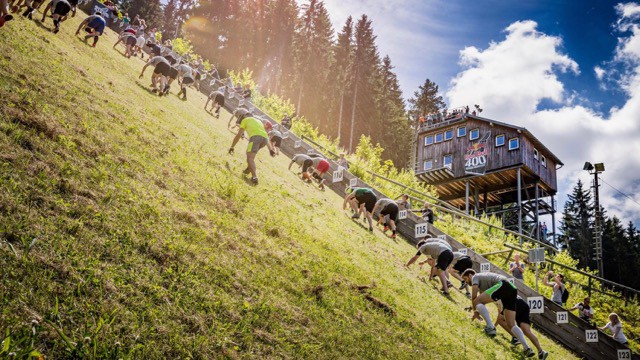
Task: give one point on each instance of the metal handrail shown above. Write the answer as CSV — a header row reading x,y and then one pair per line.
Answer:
x,y
448,207
445,206
602,280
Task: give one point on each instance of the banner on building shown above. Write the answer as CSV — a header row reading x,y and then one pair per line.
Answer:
x,y
477,155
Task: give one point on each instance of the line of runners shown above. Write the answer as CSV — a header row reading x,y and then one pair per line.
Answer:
x,y
486,287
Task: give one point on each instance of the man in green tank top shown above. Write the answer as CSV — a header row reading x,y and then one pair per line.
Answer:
x,y
257,140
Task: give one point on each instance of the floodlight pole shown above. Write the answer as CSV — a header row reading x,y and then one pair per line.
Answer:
x,y
598,224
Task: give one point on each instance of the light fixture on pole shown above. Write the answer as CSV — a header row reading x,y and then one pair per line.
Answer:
x,y
596,169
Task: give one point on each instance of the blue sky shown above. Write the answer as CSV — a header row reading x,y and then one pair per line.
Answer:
x,y
449,26
569,71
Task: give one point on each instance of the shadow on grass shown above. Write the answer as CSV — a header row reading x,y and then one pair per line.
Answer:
x,y
42,25
146,89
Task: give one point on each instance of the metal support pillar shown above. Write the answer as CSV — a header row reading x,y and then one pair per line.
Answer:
x,y
476,201
486,202
466,198
553,220
520,203
537,227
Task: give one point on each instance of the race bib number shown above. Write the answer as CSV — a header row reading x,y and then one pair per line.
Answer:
x,y
421,230
624,354
353,182
536,304
562,317
402,214
591,336
337,176
463,251
310,151
297,144
485,267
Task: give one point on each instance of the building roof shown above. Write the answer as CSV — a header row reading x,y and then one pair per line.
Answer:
x,y
524,131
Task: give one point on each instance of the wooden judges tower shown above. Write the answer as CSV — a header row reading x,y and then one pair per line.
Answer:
x,y
490,166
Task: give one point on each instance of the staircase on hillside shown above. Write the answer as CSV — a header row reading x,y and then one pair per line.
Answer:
x,y
572,334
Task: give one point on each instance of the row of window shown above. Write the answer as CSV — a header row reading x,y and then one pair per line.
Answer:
x,y
474,134
543,160
514,144
448,135
447,160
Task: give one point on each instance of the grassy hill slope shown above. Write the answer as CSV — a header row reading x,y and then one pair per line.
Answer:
x,y
128,232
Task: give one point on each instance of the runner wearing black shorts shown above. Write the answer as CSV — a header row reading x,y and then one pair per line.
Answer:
x,y
440,257
361,200
217,99
524,322
388,208
489,287
460,263
275,137
161,70
60,10
305,162
156,50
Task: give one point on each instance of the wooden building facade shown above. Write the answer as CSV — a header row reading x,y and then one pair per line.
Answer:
x,y
494,167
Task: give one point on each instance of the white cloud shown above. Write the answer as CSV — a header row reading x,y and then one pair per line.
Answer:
x,y
599,72
511,77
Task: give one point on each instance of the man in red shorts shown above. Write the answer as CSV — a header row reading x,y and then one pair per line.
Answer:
x,y
319,168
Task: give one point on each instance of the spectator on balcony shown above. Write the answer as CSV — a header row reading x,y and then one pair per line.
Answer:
x,y
427,213
585,311
615,325
516,268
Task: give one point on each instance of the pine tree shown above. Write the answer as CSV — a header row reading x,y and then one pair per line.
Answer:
x,y
216,43
366,81
577,226
426,100
175,13
149,10
395,134
278,67
341,73
313,57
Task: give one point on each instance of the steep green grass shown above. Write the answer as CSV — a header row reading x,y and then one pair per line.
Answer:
x,y
128,232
